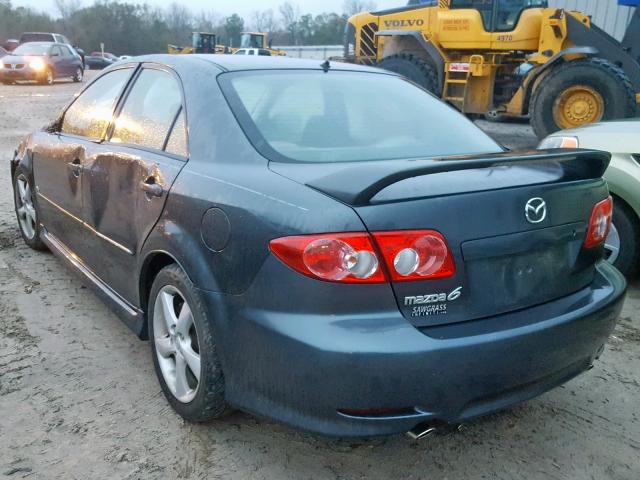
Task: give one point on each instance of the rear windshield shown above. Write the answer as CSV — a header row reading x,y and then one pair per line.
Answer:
x,y
36,37
32,49
312,116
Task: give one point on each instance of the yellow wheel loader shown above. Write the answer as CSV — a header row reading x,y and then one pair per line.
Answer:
x,y
507,58
201,43
259,40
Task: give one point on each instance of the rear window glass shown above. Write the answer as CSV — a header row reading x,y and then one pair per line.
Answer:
x,y
312,116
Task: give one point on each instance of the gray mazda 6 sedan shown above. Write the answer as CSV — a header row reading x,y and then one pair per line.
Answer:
x,y
327,245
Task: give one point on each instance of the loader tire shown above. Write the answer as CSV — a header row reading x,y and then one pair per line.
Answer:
x,y
415,69
581,92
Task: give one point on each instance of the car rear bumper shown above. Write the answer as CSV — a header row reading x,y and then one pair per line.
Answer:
x,y
306,370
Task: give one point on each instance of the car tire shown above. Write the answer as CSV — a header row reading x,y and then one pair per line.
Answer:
x,y
26,210
605,86
177,338
415,69
79,76
626,229
47,78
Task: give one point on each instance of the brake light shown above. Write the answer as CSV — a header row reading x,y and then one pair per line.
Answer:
x,y
334,257
415,255
353,258
599,224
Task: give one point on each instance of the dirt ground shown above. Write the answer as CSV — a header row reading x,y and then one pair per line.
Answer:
x,y
79,399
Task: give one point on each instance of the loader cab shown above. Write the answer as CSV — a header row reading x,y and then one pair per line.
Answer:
x,y
204,42
499,15
253,40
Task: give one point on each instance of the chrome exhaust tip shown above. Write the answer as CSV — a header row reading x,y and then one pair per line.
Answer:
x,y
421,431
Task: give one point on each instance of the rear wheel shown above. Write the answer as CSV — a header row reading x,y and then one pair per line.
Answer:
x,y
184,349
581,92
415,69
79,75
623,243
26,211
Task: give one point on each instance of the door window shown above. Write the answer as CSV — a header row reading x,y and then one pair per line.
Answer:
x,y
66,53
92,111
56,52
149,110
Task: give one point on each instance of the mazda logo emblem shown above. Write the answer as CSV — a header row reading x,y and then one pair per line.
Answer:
x,y
536,210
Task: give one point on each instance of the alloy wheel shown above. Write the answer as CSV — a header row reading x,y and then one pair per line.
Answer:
x,y
79,75
176,343
612,245
25,208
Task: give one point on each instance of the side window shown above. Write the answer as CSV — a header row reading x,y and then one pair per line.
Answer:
x,y
66,53
92,111
149,110
177,144
264,53
55,52
251,52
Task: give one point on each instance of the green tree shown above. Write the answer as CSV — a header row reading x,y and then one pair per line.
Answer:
x,y
234,26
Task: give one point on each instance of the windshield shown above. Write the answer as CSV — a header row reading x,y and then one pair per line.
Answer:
x,y
250,41
312,116
33,49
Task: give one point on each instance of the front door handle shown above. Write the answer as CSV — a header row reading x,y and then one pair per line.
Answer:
x,y
75,167
151,188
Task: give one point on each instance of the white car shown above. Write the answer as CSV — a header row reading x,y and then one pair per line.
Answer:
x,y
253,51
622,139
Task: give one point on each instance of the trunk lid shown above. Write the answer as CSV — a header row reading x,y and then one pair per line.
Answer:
x,y
504,260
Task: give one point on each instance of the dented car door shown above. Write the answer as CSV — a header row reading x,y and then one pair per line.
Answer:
x,y
127,182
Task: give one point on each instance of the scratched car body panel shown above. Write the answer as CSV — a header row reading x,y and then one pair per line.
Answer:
x,y
365,270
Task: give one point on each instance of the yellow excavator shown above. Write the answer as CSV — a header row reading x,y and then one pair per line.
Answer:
x,y
506,58
201,42
259,40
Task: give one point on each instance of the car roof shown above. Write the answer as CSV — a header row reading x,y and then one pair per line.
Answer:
x,y
235,63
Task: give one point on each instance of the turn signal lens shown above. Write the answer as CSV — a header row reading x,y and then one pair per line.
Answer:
x,y
340,257
600,223
559,142
416,255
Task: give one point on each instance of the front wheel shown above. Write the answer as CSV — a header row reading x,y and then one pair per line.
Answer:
x,y
415,69
26,210
47,78
184,348
580,92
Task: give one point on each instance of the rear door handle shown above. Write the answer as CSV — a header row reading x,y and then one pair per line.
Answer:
x,y
151,188
75,167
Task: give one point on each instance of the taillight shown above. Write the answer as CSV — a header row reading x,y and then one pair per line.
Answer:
x,y
415,255
600,223
334,257
352,258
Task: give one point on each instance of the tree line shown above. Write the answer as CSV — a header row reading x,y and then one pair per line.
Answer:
x,y
138,28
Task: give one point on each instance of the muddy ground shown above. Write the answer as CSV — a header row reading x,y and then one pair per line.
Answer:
x,y
79,399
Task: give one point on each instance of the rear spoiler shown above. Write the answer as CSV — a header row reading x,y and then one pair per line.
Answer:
x,y
356,184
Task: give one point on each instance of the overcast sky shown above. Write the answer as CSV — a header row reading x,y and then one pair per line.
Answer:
x,y
226,7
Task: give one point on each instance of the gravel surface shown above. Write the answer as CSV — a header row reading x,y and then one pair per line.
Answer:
x,y
79,399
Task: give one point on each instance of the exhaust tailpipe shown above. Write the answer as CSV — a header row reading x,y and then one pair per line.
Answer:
x,y
421,431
